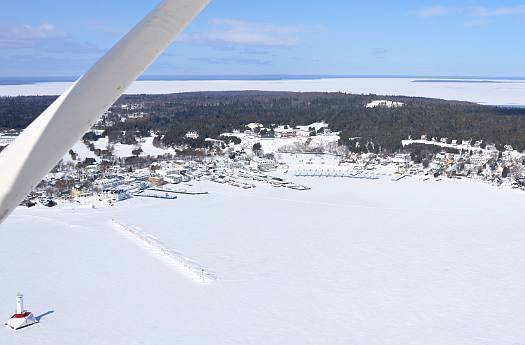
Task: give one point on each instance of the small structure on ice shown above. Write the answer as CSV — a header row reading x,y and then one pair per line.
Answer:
x,y
22,318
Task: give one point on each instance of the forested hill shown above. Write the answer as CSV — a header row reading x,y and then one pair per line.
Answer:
x,y
18,112
214,113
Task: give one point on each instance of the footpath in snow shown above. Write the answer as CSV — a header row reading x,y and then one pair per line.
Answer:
x,y
191,269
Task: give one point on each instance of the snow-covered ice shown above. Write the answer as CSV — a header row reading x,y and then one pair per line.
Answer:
x,y
501,92
348,262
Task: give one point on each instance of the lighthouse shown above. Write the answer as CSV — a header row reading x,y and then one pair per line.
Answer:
x,y
22,318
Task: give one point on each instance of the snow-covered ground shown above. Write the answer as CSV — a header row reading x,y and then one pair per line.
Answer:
x,y
502,92
272,145
82,152
119,150
149,150
302,160
348,262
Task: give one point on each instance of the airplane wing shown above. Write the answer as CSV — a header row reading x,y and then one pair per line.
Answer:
x,y
40,146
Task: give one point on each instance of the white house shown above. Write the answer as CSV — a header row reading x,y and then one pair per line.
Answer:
x,y
402,159
174,178
235,164
6,139
265,164
479,159
384,104
192,135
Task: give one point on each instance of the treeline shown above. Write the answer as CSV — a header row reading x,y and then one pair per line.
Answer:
x,y
218,112
19,112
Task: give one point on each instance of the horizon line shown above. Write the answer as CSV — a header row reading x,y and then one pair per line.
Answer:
x,y
5,80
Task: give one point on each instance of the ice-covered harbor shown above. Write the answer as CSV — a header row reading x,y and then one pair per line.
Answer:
x,y
492,92
351,261
327,251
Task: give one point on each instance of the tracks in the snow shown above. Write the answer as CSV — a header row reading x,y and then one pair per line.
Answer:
x,y
191,269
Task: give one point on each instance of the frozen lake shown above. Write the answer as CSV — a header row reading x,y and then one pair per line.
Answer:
x,y
494,92
348,262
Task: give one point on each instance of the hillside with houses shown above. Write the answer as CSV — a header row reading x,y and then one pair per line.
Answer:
x,y
101,170
381,122
161,145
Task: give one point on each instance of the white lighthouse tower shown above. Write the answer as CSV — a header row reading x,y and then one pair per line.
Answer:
x,y
21,318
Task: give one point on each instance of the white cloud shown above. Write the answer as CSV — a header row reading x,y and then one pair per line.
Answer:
x,y
478,22
379,53
479,11
433,11
237,32
107,29
27,35
40,40
233,61
498,11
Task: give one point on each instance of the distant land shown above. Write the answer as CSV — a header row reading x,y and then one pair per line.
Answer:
x,y
427,78
485,81
489,91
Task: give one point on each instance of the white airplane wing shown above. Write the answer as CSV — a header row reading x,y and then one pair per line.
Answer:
x,y
40,147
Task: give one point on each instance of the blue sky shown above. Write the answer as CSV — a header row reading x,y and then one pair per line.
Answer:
x,y
234,37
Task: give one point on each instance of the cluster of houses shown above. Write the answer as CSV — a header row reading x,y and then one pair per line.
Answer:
x,y
121,113
474,160
119,182
257,130
119,179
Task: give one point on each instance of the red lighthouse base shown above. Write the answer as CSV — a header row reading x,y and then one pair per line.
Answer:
x,y
19,321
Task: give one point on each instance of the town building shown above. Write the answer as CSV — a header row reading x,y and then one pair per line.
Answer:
x,y
192,135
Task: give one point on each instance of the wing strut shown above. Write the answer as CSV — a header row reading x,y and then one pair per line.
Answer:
x,y
40,147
